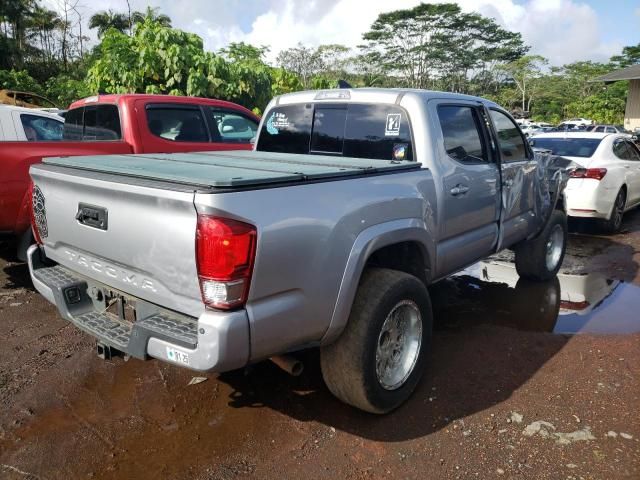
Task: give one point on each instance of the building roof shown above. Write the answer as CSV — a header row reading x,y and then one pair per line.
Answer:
x,y
629,73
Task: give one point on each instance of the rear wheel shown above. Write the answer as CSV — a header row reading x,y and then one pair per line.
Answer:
x,y
615,220
541,257
378,360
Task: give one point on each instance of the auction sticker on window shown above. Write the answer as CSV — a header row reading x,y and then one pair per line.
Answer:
x,y
177,356
393,125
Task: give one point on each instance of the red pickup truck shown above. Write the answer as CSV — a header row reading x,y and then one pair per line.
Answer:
x,y
128,123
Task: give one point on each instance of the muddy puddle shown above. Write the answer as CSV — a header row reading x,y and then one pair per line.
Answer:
x,y
492,293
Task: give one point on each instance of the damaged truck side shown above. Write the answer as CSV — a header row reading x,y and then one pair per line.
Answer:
x,y
327,235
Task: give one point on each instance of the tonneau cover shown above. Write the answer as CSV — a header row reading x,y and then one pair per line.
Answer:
x,y
230,169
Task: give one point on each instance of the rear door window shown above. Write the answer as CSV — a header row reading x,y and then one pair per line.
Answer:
x,y
462,135
43,129
620,150
352,130
228,126
178,123
510,141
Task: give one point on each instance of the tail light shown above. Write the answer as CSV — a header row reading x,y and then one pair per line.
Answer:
x,y
225,251
593,173
32,216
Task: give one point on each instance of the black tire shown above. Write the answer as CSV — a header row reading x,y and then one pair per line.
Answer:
x,y
617,211
349,364
531,255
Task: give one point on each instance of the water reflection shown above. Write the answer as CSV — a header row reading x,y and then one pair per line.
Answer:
x,y
492,292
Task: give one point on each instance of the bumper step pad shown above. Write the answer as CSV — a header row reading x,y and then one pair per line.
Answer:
x,y
131,338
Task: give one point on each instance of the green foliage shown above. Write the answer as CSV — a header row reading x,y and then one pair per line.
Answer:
x,y
64,90
158,59
155,59
19,80
283,81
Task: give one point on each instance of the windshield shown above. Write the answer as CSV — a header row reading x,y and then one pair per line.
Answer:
x,y
567,147
373,131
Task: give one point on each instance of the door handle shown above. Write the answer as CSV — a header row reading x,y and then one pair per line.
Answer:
x,y
459,190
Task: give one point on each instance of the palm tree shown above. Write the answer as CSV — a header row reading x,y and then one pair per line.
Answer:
x,y
106,19
152,14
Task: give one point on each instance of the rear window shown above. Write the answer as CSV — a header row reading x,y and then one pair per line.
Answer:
x,y
92,123
44,129
379,132
567,147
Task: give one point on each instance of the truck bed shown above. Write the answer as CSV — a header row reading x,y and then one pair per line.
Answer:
x,y
229,170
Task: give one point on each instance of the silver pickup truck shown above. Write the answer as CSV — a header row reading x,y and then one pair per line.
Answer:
x,y
327,235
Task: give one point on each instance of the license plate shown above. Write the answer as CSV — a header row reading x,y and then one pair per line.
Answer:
x,y
177,356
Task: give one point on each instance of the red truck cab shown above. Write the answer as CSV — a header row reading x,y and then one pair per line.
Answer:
x,y
120,124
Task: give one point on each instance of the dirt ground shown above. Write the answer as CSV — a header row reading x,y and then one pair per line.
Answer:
x,y
504,396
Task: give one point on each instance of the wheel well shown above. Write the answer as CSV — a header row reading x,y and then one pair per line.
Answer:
x,y
408,257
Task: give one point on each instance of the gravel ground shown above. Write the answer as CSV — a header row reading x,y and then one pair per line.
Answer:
x,y
500,399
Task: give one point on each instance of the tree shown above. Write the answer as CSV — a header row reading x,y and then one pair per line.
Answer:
x,y
107,19
437,44
303,61
630,56
524,72
152,14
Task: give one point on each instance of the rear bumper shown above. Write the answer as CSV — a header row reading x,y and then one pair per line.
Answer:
x,y
215,341
588,198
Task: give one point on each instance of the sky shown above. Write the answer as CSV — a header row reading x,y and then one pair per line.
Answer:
x,y
561,30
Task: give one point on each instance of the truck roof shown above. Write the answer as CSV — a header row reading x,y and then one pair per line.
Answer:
x,y
116,98
374,95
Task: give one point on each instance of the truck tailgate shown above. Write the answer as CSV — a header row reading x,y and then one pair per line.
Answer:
x,y
139,239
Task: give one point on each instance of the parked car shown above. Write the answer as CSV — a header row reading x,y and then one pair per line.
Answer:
x,y
609,129
327,235
110,124
579,122
530,129
606,180
26,99
20,124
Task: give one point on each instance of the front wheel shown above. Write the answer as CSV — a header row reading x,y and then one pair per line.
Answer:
x,y
541,257
378,360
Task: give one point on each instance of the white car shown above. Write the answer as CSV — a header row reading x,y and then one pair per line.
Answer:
x,y
28,124
530,129
605,182
578,121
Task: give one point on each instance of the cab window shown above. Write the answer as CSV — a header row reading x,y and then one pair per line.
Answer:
x,y
228,126
177,123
